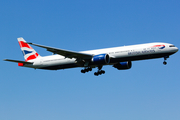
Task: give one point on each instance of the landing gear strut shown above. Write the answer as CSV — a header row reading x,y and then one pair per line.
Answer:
x,y
165,58
86,70
99,72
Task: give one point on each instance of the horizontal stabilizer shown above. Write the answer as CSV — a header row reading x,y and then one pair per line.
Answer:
x,y
18,61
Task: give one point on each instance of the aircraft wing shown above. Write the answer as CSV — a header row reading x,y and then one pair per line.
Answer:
x,y
18,61
66,53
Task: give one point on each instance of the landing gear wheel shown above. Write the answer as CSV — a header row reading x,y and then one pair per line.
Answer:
x,y
102,71
96,74
99,72
86,70
165,63
82,71
89,69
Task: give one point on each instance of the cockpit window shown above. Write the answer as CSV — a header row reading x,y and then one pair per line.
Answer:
x,y
171,46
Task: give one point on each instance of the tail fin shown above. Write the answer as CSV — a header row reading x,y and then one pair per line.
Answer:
x,y
28,52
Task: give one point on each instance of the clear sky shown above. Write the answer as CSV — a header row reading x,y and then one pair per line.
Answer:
x,y
148,91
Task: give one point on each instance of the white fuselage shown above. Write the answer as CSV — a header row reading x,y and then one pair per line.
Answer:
x,y
116,54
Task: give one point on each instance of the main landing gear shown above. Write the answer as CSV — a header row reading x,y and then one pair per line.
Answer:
x,y
99,72
86,70
165,58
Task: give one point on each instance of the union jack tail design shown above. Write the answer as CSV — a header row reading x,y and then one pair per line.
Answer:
x,y
28,52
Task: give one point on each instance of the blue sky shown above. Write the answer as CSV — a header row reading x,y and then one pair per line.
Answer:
x,y
148,91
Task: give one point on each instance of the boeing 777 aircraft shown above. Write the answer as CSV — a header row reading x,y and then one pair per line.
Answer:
x,y
118,57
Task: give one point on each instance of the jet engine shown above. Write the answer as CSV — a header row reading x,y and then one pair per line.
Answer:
x,y
101,59
123,65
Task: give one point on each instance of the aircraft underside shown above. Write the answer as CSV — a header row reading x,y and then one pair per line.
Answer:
x,y
112,61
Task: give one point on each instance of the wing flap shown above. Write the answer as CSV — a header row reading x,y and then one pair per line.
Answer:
x,y
66,53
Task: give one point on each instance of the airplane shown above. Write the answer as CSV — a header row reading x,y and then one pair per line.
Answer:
x,y
119,57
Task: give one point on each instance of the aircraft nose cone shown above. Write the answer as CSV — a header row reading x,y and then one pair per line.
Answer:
x,y
176,49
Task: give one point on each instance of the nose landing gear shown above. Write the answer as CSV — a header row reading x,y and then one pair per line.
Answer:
x,y
165,63
165,58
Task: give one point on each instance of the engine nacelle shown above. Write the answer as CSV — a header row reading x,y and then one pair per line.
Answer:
x,y
123,65
101,59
